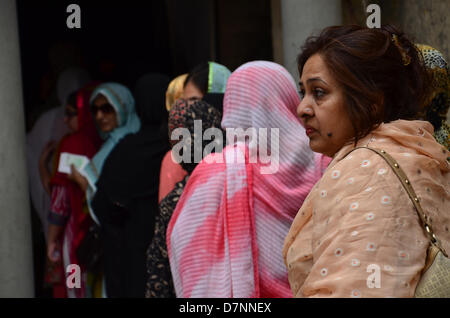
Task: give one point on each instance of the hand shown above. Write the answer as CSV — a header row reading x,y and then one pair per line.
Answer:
x,y
78,178
45,179
53,253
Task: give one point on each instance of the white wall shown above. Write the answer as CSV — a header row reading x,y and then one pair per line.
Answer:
x,y
16,261
299,20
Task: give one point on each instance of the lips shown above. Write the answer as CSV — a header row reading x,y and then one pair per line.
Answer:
x,y
310,130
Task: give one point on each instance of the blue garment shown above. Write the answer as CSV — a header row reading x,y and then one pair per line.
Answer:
x,y
122,100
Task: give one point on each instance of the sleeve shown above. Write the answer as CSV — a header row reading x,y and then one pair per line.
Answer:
x,y
170,174
369,243
60,206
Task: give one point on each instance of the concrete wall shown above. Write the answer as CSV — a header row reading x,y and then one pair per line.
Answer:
x,y
299,20
425,21
16,266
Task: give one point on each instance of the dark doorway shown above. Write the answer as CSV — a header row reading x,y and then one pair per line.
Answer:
x,y
121,41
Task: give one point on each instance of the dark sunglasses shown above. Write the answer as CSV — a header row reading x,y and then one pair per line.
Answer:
x,y
105,109
70,113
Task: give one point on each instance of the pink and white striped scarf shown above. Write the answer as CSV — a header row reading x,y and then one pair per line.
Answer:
x,y
226,235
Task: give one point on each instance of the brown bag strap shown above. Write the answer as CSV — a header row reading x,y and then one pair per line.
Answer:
x,y
412,194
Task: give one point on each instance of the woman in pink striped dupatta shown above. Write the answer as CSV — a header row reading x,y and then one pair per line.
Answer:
x,y
226,235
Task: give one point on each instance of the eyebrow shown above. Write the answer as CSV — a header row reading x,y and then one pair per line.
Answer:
x,y
313,79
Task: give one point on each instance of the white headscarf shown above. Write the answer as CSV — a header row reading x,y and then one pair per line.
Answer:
x,y
50,126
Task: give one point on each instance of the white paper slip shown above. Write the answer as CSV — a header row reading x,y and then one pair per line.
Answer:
x,y
67,159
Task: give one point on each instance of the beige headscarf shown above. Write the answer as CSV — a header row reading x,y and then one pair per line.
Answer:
x,y
175,90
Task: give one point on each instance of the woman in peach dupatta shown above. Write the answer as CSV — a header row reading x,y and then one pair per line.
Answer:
x,y
226,234
357,233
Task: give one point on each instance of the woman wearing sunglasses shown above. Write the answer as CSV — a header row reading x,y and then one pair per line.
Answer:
x,y
113,110
121,181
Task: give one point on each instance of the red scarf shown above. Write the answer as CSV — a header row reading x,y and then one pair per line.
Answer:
x,y
86,142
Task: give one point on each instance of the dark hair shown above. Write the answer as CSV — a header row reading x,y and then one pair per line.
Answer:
x,y
199,75
72,99
369,66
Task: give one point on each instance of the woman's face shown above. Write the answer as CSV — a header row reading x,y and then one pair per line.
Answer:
x,y
104,114
322,108
71,118
191,93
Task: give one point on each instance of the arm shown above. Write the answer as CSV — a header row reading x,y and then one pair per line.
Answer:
x,y
58,216
43,165
54,234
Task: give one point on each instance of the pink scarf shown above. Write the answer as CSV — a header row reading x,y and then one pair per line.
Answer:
x,y
226,234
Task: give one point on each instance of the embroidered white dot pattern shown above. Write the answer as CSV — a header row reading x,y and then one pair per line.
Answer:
x,y
403,255
354,206
371,247
388,268
355,262
365,163
385,199
355,293
338,252
335,174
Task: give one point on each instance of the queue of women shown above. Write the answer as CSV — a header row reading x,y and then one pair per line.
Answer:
x,y
221,228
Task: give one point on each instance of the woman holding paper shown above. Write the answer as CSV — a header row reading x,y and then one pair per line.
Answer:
x,y
122,179
113,109
68,217
126,201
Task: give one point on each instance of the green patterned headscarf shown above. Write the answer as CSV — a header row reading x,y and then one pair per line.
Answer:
x,y
437,105
217,78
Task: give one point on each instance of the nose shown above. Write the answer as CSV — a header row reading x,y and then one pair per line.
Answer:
x,y
98,115
304,109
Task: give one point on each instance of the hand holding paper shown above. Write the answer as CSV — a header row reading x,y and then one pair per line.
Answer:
x,y
78,178
68,159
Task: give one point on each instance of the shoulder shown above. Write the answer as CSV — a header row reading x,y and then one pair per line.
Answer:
x,y
359,162
361,176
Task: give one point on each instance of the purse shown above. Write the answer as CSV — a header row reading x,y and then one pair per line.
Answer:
x,y
435,279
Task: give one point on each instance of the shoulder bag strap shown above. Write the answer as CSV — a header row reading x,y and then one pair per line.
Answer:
x,y
409,189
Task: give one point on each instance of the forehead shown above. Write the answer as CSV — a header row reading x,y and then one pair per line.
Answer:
x,y
100,100
191,88
315,67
